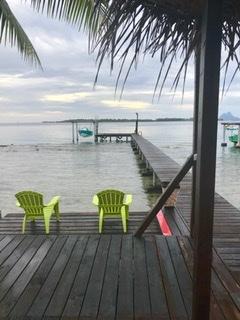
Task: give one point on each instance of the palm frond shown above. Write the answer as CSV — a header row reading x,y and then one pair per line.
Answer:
x,y
82,13
11,32
167,28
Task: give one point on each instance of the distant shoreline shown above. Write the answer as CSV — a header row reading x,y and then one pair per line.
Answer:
x,y
121,120
100,120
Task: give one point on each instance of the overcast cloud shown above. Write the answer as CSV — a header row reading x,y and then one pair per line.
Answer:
x,y
64,89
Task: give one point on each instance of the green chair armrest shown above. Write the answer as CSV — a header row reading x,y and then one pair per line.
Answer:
x,y
53,201
95,200
128,199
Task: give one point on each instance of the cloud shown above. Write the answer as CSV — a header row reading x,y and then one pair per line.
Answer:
x,y
65,87
185,106
126,104
55,112
66,98
3,99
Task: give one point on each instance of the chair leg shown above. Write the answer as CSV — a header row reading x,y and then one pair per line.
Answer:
x,y
24,224
56,211
124,222
100,224
127,212
47,224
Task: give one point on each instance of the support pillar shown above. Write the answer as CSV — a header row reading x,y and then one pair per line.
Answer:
x,y
224,143
136,126
195,134
210,56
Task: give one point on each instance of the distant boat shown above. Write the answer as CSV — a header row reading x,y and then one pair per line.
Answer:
x,y
234,138
85,132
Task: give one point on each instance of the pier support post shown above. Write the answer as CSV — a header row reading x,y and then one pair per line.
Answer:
x,y
136,127
210,57
73,135
95,130
147,164
154,179
224,143
77,136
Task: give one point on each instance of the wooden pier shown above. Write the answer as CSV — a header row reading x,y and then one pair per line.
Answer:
x,y
109,137
75,273
226,217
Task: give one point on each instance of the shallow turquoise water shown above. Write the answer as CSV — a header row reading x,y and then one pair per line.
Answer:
x,y
41,157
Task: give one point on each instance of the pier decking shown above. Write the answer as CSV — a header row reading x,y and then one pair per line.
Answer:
x,y
105,277
226,217
118,137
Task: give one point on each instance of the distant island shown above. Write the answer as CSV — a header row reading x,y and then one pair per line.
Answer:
x,y
228,116
120,120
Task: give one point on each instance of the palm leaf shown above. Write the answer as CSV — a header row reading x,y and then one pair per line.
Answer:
x,y
83,13
11,32
129,28
168,28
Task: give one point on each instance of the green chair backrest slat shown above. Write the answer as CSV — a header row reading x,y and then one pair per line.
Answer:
x,y
110,201
31,202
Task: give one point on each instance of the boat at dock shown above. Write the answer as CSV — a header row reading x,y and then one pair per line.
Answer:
x,y
231,129
85,132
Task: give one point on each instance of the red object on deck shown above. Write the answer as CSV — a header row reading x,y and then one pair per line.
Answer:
x,y
163,224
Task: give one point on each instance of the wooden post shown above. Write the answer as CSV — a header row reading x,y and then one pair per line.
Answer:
x,y
210,56
95,130
154,179
136,127
77,136
224,143
73,136
195,133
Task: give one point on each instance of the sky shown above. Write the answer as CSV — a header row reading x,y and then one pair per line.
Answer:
x,y
64,89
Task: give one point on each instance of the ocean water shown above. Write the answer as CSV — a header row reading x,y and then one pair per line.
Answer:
x,y
41,157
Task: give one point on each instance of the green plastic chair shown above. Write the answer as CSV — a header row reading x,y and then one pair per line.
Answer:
x,y
112,204
32,203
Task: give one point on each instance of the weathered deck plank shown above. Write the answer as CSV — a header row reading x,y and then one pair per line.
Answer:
x,y
110,277
31,290
125,287
46,291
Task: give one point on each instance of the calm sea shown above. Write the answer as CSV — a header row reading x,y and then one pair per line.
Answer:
x,y
41,157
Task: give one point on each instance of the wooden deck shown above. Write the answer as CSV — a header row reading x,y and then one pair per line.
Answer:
x,y
105,277
226,217
74,223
